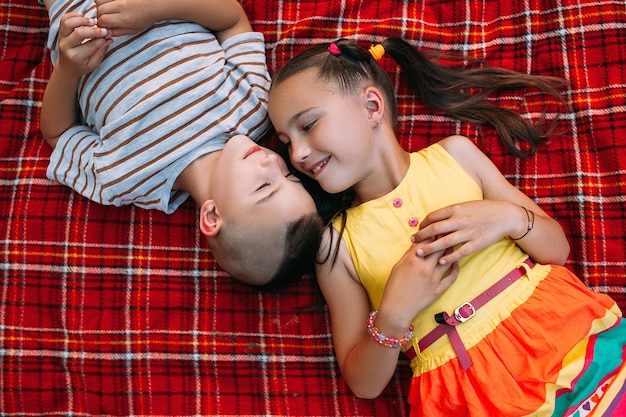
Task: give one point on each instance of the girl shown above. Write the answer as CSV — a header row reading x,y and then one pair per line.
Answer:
x,y
491,323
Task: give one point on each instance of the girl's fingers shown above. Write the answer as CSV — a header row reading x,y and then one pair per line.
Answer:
x,y
452,258
436,244
450,277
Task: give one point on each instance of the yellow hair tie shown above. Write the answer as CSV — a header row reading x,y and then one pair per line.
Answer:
x,y
377,51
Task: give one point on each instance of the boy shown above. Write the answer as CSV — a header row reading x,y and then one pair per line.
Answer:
x,y
161,89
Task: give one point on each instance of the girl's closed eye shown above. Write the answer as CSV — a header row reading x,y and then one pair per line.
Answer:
x,y
284,140
308,126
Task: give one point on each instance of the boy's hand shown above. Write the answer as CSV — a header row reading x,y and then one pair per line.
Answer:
x,y
82,45
126,17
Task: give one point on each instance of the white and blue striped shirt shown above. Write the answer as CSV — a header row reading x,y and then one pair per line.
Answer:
x,y
159,100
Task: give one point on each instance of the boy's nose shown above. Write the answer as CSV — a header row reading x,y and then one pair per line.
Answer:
x,y
270,159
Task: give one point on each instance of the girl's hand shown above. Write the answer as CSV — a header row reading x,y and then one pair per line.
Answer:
x,y
127,17
82,45
472,225
415,283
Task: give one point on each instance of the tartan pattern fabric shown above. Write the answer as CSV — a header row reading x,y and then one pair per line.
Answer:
x,y
123,311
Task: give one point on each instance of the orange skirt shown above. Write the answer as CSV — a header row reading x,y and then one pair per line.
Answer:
x,y
560,352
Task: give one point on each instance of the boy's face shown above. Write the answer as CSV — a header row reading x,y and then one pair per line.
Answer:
x,y
253,183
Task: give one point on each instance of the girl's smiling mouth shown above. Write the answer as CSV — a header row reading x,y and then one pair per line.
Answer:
x,y
316,169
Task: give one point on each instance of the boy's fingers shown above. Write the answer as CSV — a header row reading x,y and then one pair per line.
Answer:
x,y
83,34
72,21
101,51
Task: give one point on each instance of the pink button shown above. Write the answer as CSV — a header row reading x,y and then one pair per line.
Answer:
x,y
413,222
397,202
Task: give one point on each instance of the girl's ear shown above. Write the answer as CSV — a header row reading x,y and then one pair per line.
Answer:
x,y
210,220
375,105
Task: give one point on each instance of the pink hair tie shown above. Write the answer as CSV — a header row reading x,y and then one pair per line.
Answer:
x,y
334,49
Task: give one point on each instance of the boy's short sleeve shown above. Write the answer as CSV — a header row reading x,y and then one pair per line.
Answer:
x,y
245,60
72,162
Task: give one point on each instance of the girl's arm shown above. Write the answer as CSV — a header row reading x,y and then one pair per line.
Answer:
x,y
82,47
414,283
225,18
477,224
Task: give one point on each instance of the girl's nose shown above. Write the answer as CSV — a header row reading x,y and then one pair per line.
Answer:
x,y
299,152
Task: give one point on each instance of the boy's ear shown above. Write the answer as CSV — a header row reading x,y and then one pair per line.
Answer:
x,y
375,104
210,220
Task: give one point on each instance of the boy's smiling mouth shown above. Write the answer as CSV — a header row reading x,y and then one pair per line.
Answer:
x,y
252,150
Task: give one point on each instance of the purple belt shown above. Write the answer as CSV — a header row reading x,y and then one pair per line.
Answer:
x,y
448,323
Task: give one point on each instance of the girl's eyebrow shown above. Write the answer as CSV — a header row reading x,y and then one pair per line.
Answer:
x,y
294,119
298,115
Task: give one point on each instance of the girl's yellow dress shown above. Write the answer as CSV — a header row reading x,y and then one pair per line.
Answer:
x,y
546,345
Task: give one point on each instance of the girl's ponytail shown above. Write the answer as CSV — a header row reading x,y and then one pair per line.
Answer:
x,y
461,93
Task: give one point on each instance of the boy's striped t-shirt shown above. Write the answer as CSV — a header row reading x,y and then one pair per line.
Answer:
x,y
158,101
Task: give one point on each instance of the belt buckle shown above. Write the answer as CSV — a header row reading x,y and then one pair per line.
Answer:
x,y
464,312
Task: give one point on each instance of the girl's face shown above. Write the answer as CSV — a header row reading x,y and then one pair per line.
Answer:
x,y
329,133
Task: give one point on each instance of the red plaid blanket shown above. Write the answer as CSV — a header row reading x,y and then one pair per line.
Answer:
x,y
122,311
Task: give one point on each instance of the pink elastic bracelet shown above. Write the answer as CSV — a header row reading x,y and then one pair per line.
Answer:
x,y
383,339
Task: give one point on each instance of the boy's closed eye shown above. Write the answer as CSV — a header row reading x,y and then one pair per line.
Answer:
x,y
265,184
290,175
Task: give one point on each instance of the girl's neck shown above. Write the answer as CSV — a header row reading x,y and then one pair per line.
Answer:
x,y
389,167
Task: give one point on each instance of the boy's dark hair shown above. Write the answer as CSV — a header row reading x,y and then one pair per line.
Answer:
x,y
302,242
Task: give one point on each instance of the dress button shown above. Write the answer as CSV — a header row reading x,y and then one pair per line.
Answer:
x,y
413,222
397,202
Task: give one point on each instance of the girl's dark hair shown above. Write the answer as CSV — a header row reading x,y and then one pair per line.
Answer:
x,y
460,92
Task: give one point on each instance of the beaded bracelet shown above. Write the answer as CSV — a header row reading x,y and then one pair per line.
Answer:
x,y
531,223
383,339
